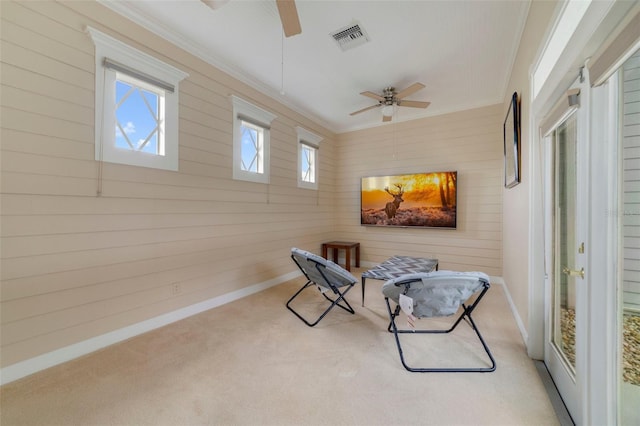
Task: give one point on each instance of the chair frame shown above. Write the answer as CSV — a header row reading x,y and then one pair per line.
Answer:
x,y
328,285
466,315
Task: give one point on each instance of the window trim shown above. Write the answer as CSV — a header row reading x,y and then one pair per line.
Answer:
x,y
305,137
147,69
614,53
246,111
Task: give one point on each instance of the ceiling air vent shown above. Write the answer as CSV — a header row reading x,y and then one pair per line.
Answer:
x,y
350,36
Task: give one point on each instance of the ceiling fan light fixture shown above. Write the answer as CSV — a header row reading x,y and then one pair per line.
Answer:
x,y
389,100
387,111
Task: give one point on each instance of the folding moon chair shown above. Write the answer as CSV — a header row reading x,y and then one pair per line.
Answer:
x,y
327,277
437,294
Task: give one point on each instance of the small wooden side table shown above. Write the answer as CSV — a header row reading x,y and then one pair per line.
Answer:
x,y
342,245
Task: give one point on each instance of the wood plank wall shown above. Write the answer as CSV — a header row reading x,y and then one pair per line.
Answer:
x,y
75,265
631,177
469,142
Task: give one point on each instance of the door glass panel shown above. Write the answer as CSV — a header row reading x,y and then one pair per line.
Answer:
x,y
629,332
564,296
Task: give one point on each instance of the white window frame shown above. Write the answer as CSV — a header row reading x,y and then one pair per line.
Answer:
x,y
118,52
244,111
311,140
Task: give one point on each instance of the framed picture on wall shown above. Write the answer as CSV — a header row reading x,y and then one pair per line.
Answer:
x,y
511,132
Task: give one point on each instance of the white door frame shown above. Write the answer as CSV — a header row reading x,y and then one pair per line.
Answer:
x,y
560,77
598,373
600,370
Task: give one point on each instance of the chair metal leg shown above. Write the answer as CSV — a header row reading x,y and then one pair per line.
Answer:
x,y
341,298
466,314
334,302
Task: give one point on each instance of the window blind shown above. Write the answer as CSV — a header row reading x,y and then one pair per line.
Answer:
x,y
253,121
116,66
309,144
560,111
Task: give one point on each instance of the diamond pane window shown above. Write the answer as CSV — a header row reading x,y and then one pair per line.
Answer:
x,y
136,106
252,138
308,163
139,116
308,144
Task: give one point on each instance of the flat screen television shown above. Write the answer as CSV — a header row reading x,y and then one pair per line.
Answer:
x,y
411,200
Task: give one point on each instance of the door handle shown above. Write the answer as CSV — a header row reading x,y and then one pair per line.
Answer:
x,y
573,273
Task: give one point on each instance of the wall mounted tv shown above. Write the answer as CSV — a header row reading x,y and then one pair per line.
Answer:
x,y
411,200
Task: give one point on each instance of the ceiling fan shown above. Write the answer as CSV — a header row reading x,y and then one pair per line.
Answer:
x,y
286,8
390,97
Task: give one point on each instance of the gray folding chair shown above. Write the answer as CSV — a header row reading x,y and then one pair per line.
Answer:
x,y
437,294
327,277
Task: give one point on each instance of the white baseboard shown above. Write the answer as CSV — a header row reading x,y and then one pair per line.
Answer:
x,y
33,365
514,310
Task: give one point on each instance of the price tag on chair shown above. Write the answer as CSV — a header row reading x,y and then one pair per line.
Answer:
x,y
406,304
322,289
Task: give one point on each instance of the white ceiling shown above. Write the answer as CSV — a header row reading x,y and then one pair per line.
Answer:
x,y
461,50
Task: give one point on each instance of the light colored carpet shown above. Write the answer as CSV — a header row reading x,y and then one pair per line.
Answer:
x,y
252,362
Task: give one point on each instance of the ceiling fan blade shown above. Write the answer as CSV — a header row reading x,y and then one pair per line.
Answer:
x,y
409,90
386,118
373,95
414,104
365,109
215,4
289,17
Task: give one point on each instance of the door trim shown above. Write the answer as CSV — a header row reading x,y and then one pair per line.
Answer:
x,y
604,265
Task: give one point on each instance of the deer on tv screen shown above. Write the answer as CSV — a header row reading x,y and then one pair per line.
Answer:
x,y
420,199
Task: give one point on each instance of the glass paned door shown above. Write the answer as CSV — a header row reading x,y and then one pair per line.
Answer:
x,y
566,252
563,335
